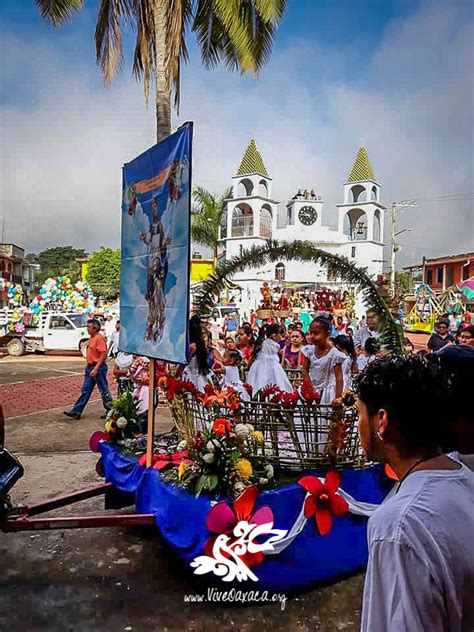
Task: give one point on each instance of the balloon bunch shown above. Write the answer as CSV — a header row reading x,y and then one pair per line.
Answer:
x,y
60,291
14,292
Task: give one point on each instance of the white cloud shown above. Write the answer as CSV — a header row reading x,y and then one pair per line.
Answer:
x,y
412,103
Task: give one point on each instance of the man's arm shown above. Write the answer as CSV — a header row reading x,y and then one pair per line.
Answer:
x,y
400,594
102,358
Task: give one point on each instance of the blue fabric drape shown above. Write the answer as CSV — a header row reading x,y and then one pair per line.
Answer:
x,y
181,518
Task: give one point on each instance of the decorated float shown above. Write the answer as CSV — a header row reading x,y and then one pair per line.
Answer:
x,y
423,310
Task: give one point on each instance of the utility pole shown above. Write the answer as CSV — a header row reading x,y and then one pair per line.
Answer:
x,y
394,246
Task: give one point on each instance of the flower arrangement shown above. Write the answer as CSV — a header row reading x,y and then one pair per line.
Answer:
x,y
221,460
123,421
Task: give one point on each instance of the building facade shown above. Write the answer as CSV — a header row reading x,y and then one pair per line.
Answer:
x,y
15,269
444,272
252,218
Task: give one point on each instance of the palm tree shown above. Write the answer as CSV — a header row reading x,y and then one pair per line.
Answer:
x,y
238,32
208,215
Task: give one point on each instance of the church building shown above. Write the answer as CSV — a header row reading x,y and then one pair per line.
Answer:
x,y
252,218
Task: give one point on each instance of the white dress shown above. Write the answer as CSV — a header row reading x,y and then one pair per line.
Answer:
x,y
267,369
231,378
347,373
321,371
192,373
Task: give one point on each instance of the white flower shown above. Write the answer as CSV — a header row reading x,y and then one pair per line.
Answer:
x,y
210,447
121,422
109,414
209,457
250,428
269,470
182,445
239,487
242,430
262,481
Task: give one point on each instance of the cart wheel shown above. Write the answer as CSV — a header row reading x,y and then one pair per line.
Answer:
x,y
16,347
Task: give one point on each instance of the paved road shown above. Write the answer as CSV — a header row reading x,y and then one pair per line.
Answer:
x,y
114,579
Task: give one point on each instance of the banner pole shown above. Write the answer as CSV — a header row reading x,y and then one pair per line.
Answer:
x,y
151,414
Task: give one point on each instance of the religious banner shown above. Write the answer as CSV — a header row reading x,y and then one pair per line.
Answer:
x,y
154,287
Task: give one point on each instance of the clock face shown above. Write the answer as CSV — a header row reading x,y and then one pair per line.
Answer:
x,y
307,215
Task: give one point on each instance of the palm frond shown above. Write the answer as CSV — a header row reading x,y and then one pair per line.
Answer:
x,y
58,11
108,35
275,251
179,13
144,55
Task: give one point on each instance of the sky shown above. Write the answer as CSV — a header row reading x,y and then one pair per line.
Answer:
x,y
394,75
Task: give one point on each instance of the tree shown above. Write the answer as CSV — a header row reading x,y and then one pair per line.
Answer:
x,y
208,214
239,33
103,272
55,261
402,281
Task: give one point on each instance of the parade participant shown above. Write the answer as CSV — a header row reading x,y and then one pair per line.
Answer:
x,y
114,341
368,328
322,363
230,325
369,353
95,373
340,325
350,333
122,363
229,343
253,319
231,361
139,373
109,326
198,370
245,342
466,337
408,346
292,358
349,367
215,357
440,337
420,574
264,366
215,330
466,321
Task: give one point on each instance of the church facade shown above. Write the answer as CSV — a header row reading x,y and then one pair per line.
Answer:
x,y
252,217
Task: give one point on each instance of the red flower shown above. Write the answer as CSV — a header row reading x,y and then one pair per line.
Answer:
x,y
221,426
270,389
199,441
249,389
308,393
323,503
289,399
223,519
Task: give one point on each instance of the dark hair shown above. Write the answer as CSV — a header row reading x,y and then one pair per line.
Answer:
x,y
407,342
322,320
411,389
195,336
249,332
441,322
266,331
95,323
470,330
371,346
282,330
235,355
347,344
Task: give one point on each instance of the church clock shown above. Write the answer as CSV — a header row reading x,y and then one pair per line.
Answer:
x,y
307,215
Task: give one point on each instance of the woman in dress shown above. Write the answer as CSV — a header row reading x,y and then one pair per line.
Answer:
x,y
264,366
322,363
292,358
349,367
245,342
198,370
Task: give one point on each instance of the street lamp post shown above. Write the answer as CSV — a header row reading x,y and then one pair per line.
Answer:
x,y
395,246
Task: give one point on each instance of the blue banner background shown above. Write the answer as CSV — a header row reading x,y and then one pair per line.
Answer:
x,y
154,287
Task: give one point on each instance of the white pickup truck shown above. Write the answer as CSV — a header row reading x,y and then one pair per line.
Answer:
x,y
61,331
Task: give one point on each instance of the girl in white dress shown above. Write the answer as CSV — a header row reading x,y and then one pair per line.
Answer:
x,y
265,368
345,346
323,362
230,362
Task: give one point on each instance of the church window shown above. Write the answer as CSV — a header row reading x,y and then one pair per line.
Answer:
x,y
280,272
242,221
263,189
377,235
359,193
266,222
245,188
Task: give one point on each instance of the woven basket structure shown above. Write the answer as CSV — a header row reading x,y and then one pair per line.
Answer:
x,y
298,438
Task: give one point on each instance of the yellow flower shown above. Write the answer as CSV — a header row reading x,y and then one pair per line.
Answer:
x,y
182,469
243,469
258,436
108,426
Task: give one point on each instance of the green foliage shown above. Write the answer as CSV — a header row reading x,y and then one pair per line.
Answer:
x,y
58,11
402,282
209,211
125,405
103,272
275,251
58,261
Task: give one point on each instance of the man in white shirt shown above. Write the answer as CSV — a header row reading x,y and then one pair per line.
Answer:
x,y
420,575
114,340
369,330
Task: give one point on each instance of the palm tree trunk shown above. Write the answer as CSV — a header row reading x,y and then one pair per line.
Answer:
x,y
163,94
